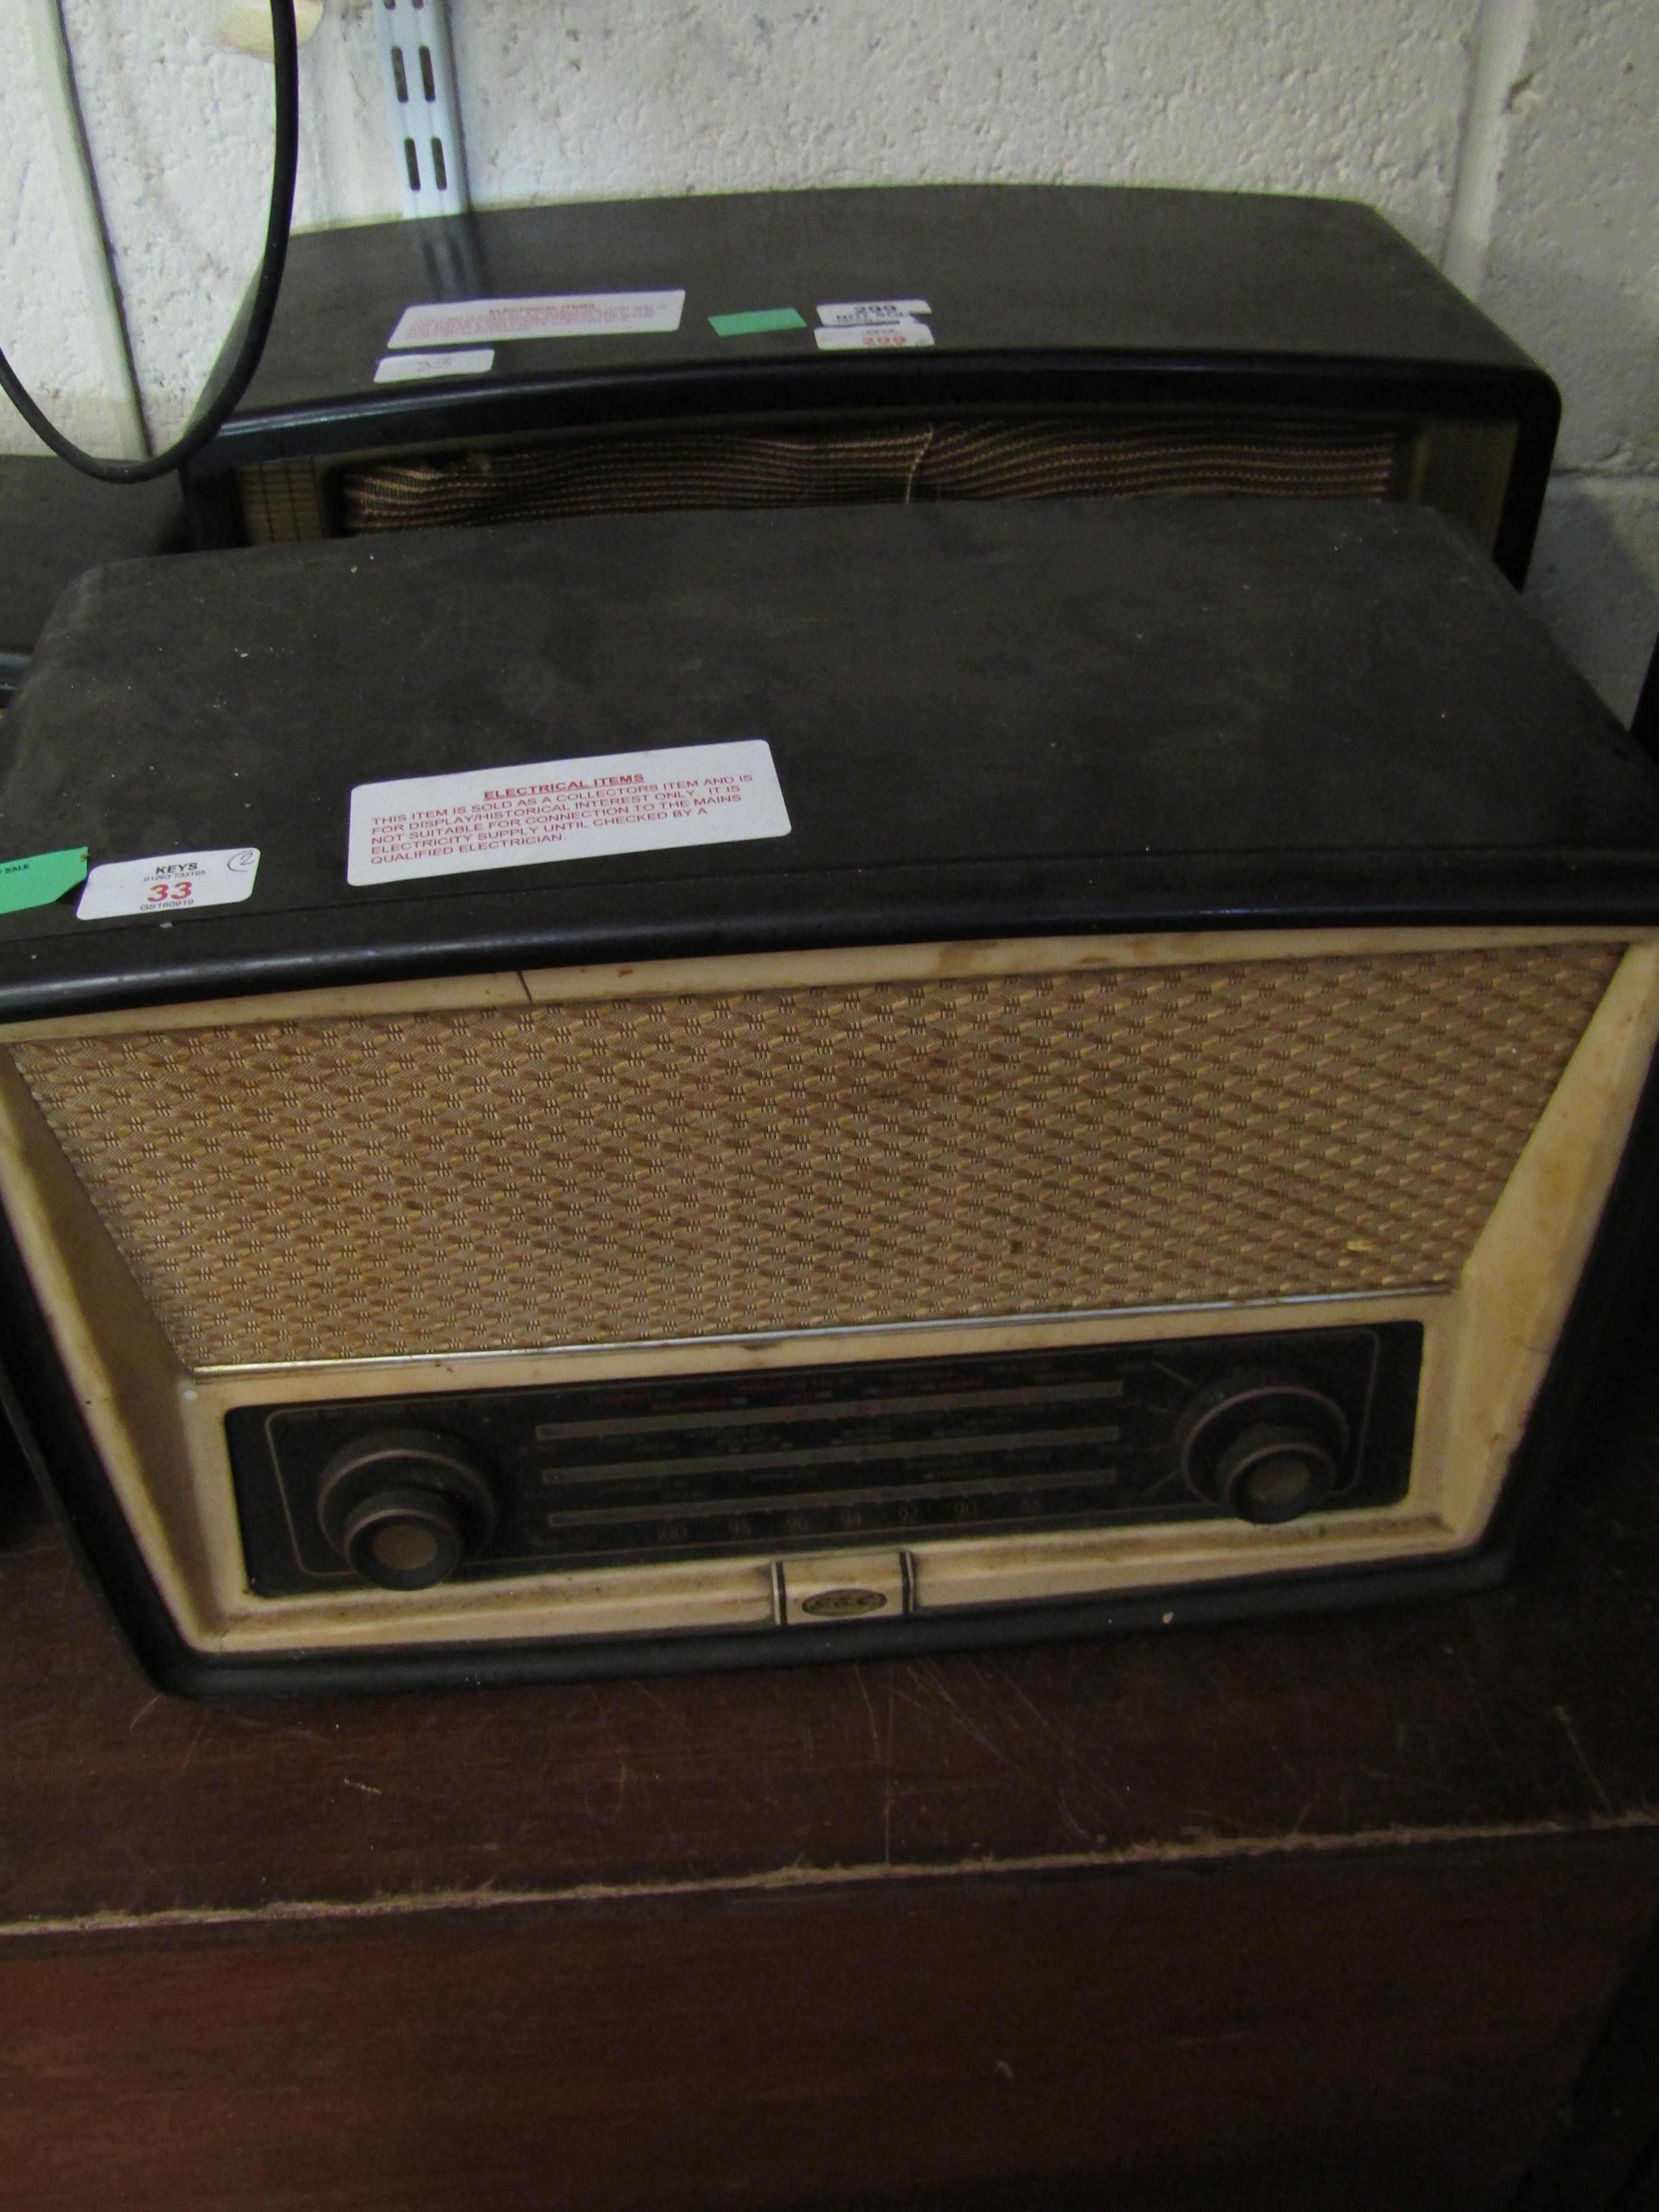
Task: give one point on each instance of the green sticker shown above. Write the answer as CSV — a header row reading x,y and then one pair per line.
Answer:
x,y
757,318
42,877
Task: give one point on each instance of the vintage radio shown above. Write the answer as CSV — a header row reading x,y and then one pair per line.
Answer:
x,y
962,342
684,1089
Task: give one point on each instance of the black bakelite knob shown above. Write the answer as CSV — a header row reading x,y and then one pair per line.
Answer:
x,y
1268,1445
406,1506
1275,1472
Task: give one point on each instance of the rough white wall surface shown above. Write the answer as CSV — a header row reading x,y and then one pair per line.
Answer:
x,y
176,131
179,132
1572,269
44,319
1519,138
595,98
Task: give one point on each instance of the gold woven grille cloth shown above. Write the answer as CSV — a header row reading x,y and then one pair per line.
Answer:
x,y
826,465
631,1168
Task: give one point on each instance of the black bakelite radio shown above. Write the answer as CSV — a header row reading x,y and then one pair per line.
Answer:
x,y
693,1089
936,344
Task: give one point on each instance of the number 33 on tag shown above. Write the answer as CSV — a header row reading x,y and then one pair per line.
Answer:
x,y
168,884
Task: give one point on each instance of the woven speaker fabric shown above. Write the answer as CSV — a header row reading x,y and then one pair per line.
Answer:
x,y
281,502
798,1158
826,465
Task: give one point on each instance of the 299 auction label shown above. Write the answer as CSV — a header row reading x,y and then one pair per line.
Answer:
x,y
169,884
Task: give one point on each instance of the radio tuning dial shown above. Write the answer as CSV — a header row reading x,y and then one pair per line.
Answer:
x,y
1269,1446
404,1507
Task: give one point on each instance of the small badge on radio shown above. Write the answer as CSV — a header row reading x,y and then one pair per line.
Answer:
x,y
843,1604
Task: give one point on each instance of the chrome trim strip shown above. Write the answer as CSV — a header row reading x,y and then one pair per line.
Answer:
x,y
851,1332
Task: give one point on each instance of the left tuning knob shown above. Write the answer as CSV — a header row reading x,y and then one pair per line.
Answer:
x,y
406,1506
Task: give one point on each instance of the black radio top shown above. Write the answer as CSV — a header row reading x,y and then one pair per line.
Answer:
x,y
956,721
1000,268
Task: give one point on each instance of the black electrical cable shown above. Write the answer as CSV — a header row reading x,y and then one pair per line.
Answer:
x,y
214,406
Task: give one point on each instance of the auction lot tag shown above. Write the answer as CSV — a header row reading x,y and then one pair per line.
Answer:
x,y
406,367
550,315
873,337
563,809
846,314
169,884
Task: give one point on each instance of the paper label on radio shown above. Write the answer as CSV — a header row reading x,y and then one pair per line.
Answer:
x,y
871,337
40,878
563,809
406,367
551,315
169,884
839,314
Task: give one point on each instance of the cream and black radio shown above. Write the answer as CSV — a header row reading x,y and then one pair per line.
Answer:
x,y
687,1089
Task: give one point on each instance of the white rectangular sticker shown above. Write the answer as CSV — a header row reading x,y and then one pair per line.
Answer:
x,y
563,809
840,313
555,315
404,367
859,337
169,884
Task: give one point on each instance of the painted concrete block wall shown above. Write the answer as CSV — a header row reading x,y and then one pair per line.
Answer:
x,y
44,325
1516,141
596,98
1572,271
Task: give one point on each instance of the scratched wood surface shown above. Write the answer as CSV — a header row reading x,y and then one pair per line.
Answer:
x,y
1314,1913
1331,2033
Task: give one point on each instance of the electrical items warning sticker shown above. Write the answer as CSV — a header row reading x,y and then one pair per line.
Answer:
x,y
554,315
169,884
563,809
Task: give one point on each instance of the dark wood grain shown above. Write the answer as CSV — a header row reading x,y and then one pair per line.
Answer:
x,y
1601,2154
1338,2034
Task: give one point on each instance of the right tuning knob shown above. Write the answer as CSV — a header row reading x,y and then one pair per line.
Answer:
x,y
1268,1446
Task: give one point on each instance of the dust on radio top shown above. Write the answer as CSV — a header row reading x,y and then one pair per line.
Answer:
x,y
984,720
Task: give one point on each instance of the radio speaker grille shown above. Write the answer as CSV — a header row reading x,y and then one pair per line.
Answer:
x,y
643,1168
826,464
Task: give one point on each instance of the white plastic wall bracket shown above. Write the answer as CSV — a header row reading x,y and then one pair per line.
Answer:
x,y
419,75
